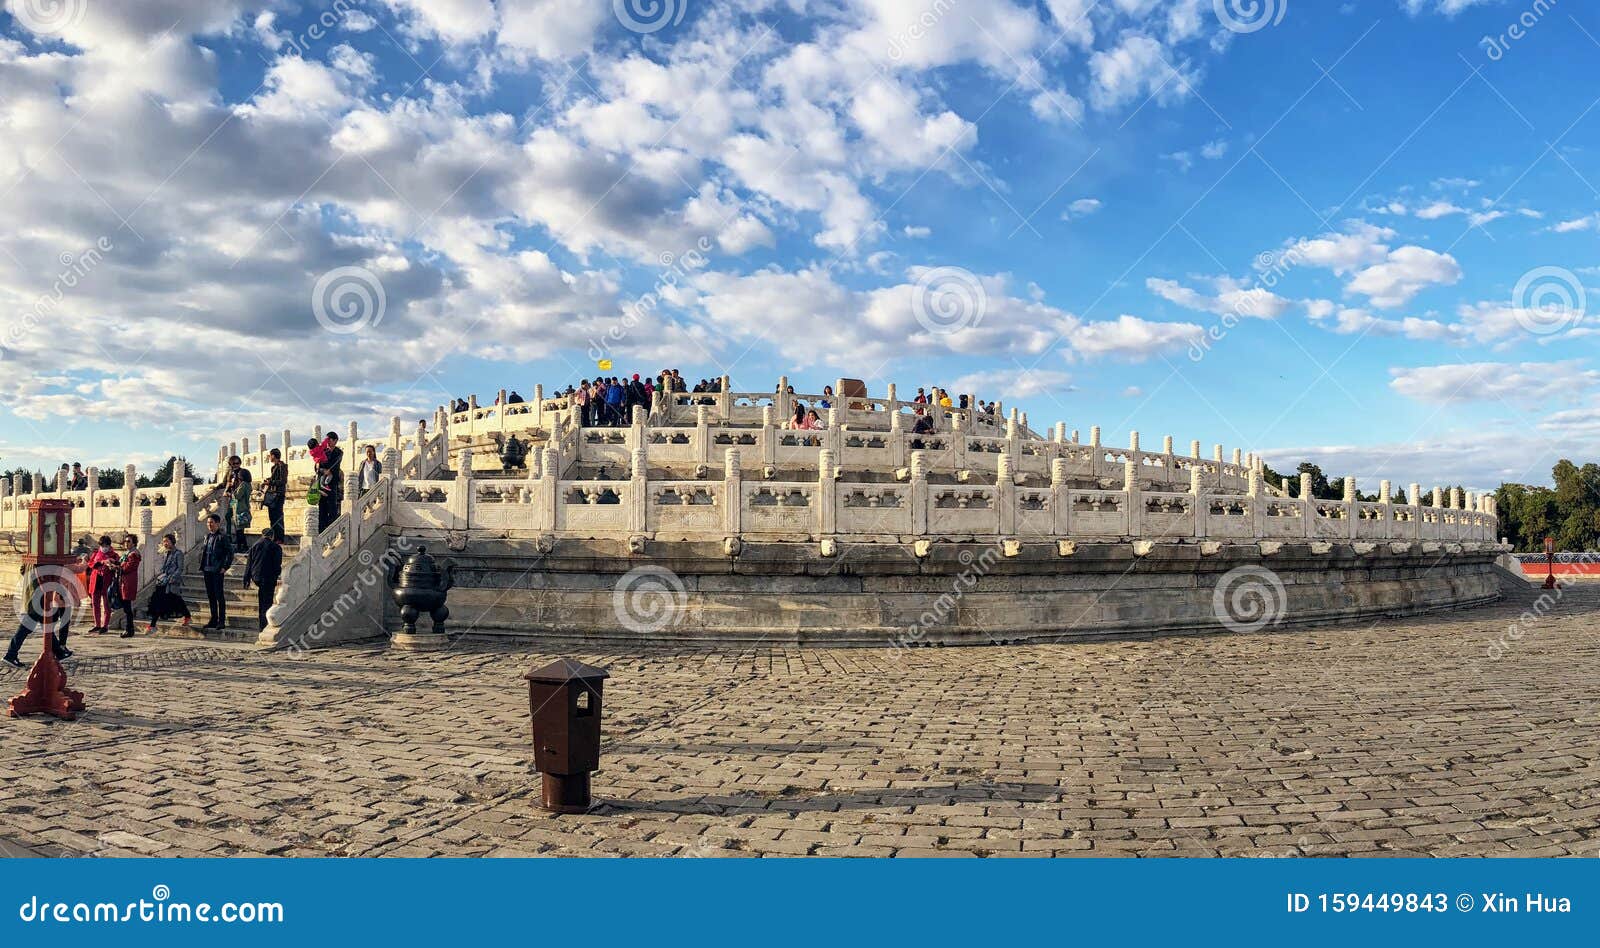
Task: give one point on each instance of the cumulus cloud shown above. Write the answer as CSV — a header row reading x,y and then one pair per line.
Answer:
x,y
817,319
1354,320
1020,383
1528,383
1231,296
1388,277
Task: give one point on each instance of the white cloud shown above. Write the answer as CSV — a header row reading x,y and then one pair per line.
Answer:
x,y
1361,245
1388,277
1586,222
1082,207
1138,68
1439,209
1405,273
1135,339
1446,7
550,29
1231,297
1014,384
1529,383
1352,320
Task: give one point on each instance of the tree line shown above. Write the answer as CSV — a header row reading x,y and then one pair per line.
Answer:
x,y
110,478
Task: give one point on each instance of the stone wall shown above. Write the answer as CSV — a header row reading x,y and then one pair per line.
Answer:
x,y
690,594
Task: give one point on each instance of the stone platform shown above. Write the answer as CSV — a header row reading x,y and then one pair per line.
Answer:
x,y
599,593
1469,733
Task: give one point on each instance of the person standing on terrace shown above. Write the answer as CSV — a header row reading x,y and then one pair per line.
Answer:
x,y
330,475
616,399
216,556
274,491
371,469
581,398
236,489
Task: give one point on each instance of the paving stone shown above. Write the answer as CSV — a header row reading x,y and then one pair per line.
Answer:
x,y
1399,739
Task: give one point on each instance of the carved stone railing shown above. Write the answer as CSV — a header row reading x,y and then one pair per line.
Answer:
x,y
834,506
323,553
148,513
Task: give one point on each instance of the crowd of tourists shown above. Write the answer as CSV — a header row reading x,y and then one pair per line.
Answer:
x,y
607,401
110,577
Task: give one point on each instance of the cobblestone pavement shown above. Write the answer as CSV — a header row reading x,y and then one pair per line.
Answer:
x,y
1459,734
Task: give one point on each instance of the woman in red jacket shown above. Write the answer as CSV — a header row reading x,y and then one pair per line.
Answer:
x,y
102,571
127,580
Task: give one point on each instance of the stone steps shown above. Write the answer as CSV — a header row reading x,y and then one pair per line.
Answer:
x,y
242,623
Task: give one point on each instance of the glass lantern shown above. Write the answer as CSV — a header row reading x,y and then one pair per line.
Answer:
x,y
49,531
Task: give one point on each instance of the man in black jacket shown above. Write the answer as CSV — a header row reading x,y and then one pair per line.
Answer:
x,y
263,567
216,556
331,472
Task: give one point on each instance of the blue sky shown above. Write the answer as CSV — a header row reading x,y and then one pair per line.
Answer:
x,y
1362,234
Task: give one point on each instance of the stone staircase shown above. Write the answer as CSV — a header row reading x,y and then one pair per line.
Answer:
x,y
242,625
